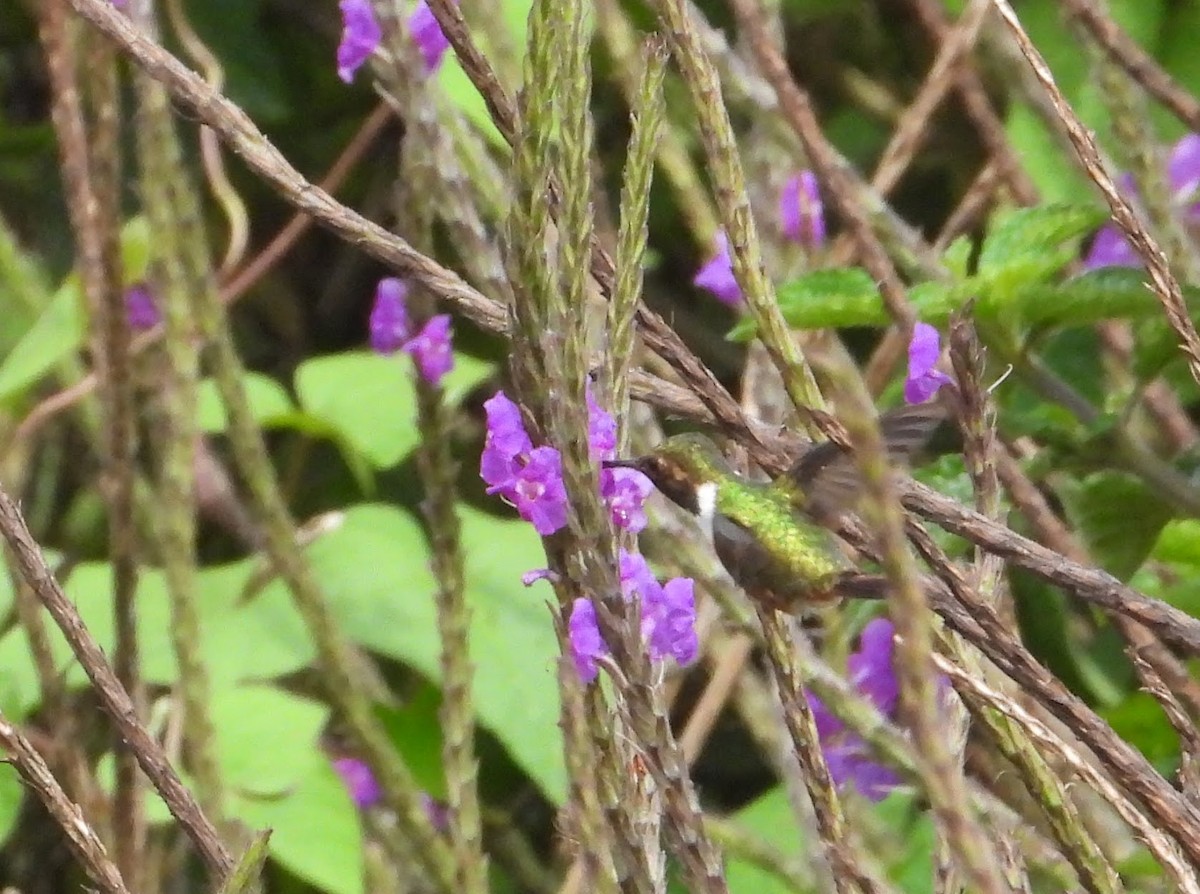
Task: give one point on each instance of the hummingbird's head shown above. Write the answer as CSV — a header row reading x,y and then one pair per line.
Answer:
x,y
686,468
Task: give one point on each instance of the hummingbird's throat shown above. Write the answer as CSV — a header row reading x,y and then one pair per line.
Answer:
x,y
706,505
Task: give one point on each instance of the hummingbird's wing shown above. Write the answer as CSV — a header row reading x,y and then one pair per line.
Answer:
x,y
827,474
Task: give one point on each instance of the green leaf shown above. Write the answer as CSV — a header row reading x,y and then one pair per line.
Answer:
x,y
12,792
266,738
1118,517
374,570
840,296
316,832
269,403
912,868
370,402
415,731
458,87
770,819
1139,720
1034,236
60,330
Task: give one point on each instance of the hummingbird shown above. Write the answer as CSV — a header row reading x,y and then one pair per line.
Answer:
x,y
767,534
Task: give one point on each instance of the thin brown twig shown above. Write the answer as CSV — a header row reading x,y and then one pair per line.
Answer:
x,y
86,844
1140,65
1162,280
239,283
112,694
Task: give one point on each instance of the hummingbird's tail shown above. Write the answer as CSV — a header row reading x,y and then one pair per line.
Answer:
x,y
861,585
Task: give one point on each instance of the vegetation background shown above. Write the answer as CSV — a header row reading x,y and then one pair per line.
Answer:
x,y
284,558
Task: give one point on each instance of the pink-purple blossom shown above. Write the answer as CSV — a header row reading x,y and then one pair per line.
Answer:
x,y
668,613
430,349
1110,248
801,213
361,34
360,781
924,378
428,36
624,491
716,275
527,477
391,331
141,311
389,325
872,672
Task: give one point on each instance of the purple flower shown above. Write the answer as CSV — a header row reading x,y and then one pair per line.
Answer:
x,y
801,213
668,618
389,324
716,275
873,674
427,34
668,612
538,491
924,379
360,36
140,310
364,789
1109,248
672,615
431,349
583,636
438,813
602,429
625,492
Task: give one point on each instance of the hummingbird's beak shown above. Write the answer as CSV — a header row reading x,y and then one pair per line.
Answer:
x,y
620,464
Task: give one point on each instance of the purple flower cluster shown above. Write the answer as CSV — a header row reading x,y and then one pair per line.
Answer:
x,y
668,613
360,781
530,478
365,792
924,378
141,311
802,219
361,35
391,331
1109,248
873,674
801,213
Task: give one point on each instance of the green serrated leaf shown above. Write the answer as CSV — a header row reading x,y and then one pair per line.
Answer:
x,y
1118,518
1035,237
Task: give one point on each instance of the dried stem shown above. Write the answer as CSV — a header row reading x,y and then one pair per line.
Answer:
x,y
85,843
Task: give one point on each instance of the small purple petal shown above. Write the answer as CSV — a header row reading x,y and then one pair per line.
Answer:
x,y
874,781
505,447
602,429
871,668
140,309
360,36
1110,249
1183,168
637,580
583,636
364,788
828,723
538,491
716,275
389,325
428,36
625,492
529,578
924,379
673,617
431,349
438,813
801,212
